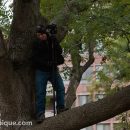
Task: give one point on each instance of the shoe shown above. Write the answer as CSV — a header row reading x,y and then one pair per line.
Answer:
x,y
60,110
40,117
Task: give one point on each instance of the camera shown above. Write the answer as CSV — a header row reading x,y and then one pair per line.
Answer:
x,y
41,29
51,29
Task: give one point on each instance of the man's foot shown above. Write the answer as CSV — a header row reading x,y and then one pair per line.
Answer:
x,y
60,110
40,117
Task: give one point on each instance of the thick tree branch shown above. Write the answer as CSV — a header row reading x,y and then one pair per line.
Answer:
x,y
77,72
90,113
75,75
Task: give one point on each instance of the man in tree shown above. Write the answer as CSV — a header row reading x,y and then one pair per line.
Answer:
x,y
46,56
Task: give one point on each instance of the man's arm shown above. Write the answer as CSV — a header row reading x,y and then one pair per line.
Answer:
x,y
59,57
58,47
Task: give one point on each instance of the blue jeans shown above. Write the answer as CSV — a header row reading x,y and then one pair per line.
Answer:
x,y
41,82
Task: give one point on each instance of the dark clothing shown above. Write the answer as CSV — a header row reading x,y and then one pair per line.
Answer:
x,y
47,54
41,84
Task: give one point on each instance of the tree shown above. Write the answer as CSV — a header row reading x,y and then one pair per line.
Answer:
x,y
17,88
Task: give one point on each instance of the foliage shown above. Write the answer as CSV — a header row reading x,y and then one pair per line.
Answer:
x,y
5,17
106,23
124,122
50,8
112,36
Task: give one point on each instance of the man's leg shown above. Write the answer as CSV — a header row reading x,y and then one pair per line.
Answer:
x,y
57,81
41,82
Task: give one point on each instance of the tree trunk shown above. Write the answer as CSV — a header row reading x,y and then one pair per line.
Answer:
x,y
25,19
17,81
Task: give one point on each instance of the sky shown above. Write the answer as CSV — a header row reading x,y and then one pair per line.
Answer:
x,y
8,2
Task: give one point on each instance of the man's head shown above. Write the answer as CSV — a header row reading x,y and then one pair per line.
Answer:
x,y
41,32
42,36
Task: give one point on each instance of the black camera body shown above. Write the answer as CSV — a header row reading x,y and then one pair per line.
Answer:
x,y
51,29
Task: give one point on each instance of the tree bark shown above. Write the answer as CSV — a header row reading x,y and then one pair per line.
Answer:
x,y
77,72
17,81
88,114
25,19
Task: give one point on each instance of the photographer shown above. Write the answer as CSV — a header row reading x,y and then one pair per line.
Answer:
x,y
46,57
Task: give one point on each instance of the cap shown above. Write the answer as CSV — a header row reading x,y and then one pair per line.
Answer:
x,y
40,29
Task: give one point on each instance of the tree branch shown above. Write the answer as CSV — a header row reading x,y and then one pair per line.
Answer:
x,y
75,75
91,57
84,116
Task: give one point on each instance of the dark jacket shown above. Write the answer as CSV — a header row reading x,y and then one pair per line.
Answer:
x,y
46,55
